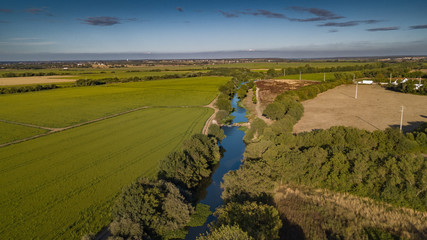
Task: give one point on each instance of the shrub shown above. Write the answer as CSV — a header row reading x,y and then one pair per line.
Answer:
x,y
260,221
149,207
226,232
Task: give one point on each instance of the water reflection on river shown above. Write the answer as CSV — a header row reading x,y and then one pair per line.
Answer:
x,y
231,160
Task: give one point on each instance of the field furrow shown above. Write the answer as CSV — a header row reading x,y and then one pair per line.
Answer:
x,y
52,187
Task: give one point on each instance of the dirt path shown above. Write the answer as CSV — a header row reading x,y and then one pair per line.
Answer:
x,y
259,110
28,125
255,110
211,118
55,130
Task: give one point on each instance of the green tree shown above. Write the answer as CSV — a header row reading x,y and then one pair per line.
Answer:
x,y
252,181
216,132
260,221
188,166
226,232
149,207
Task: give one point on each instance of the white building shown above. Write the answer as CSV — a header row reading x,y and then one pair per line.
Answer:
x,y
368,82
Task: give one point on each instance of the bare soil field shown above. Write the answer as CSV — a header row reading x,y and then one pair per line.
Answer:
x,y
34,80
269,89
375,108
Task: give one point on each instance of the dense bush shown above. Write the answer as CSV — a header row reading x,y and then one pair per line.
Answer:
x,y
380,165
86,82
224,117
286,106
251,182
216,131
149,208
226,232
224,103
254,98
35,88
191,164
256,129
260,221
409,87
287,103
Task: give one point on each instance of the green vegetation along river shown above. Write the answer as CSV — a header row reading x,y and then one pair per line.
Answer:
x,y
231,160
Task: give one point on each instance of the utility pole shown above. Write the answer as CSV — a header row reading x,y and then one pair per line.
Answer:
x,y
299,75
357,84
390,77
401,119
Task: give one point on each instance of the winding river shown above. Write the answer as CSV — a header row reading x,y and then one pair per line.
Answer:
x,y
231,160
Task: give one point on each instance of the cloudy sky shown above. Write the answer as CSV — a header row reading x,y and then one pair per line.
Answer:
x,y
65,30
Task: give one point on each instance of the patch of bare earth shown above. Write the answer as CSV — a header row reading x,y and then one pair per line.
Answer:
x,y
34,80
375,108
269,89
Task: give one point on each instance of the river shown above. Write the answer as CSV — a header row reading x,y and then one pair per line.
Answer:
x,y
231,160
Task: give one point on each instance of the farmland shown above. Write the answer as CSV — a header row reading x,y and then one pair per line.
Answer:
x,y
127,74
11,132
279,65
310,76
375,108
62,185
33,80
68,106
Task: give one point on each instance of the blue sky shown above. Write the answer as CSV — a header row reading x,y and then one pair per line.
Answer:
x,y
65,30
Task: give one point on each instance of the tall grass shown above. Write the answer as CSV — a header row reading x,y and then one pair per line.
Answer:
x,y
319,211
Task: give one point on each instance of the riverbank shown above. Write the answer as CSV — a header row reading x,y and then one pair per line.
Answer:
x,y
231,160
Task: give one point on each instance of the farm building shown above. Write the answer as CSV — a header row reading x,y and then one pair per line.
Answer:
x,y
368,82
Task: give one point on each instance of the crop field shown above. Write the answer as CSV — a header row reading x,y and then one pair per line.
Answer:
x,y
33,80
97,73
11,132
375,108
280,65
69,106
310,76
62,185
127,74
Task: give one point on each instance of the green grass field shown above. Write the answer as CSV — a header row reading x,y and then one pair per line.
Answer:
x,y
62,185
172,69
310,76
126,74
11,132
280,65
68,106
98,73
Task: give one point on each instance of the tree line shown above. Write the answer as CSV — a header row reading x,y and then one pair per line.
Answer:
x,y
378,71
23,89
383,165
155,208
409,87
